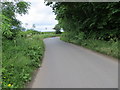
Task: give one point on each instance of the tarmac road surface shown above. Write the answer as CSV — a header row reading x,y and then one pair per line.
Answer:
x,y
70,66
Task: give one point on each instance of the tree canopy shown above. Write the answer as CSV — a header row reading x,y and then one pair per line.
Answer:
x,y
57,28
10,25
95,20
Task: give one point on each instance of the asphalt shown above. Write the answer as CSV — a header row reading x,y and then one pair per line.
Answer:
x,y
70,66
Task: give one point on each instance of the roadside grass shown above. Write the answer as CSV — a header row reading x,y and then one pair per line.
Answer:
x,y
109,48
20,57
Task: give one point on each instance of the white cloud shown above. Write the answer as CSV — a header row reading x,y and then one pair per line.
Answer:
x,y
40,15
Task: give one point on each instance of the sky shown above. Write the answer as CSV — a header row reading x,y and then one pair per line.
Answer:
x,y
40,15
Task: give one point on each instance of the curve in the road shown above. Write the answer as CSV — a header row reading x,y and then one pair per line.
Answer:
x,y
69,66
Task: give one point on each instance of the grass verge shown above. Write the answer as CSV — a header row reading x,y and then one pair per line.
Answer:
x,y
20,57
109,48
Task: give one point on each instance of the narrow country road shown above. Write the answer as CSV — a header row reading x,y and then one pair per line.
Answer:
x,y
69,66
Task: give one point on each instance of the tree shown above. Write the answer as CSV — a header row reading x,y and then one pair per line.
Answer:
x,y
26,26
33,26
9,11
95,20
57,28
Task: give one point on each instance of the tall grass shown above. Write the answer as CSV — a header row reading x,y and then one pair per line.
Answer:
x,y
20,58
106,47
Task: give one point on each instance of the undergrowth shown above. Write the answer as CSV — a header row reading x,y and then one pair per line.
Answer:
x,y
20,57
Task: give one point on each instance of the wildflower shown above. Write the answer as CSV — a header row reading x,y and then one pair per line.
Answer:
x,y
9,85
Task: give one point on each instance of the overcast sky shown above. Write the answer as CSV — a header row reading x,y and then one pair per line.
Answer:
x,y
40,15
